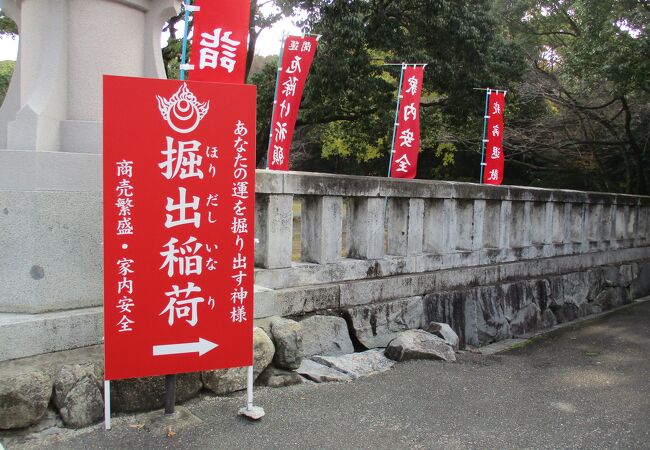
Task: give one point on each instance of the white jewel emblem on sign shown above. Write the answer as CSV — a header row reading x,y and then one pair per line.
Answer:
x,y
183,112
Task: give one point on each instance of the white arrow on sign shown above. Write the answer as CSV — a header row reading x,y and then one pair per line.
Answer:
x,y
202,346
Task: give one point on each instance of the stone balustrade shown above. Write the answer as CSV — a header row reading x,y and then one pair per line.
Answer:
x,y
429,225
492,261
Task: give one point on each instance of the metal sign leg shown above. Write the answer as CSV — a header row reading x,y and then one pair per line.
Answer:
x,y
251,411
170,395
107,404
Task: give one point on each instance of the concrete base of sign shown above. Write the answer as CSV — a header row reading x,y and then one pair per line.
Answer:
x,y
25,335
254,413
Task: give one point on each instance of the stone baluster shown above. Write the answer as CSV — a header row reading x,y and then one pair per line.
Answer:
x,y
321,229
274,229
465,224
366,228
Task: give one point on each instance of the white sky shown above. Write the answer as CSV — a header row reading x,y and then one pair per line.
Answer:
x,y
268,42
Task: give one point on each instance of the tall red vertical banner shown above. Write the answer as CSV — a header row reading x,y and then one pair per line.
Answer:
x,y
406,145
220,41
297,56
179,192
493,169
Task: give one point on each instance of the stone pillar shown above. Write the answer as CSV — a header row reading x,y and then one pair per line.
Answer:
x,y
321,229
274,229
51,143
366,228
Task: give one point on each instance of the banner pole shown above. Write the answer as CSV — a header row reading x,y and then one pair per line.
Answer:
x,y
185,33
107,404
399,97
275,98
483,140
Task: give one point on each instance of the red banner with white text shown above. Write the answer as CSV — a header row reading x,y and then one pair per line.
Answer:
x,y
404,163
297,56
493,169
220,41
179,190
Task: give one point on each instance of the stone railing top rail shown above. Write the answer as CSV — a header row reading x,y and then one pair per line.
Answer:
x,y
309,183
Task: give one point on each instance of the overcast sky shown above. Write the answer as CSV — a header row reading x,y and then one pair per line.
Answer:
x,y
267,44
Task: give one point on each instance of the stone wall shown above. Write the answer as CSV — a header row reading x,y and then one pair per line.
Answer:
x,y
494,262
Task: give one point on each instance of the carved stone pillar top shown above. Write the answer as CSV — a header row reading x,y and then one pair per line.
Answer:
x,y
66,46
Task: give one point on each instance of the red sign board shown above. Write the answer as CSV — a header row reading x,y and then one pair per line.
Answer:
x,y
220,41
493,169
404,163
179,189
297,56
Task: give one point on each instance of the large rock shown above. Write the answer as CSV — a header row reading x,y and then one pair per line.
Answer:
x,y
223,381
640,287
375,325
78,394
24,398
491,322
146,394
325,335
320,373
458,309
525,320
287,337
628,273
418,344
612,298
573,289
274,377
445,332
358,364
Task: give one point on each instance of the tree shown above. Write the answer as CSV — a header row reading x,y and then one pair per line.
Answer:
x,y
349,100
588,75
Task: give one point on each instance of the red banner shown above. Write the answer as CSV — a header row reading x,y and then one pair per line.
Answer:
x,y
297,56
179,189
493,169
220,41
404,163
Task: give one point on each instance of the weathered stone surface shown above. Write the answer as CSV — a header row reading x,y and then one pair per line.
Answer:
x,y
640,287
566,312
418,344
525,320
611,276
375,325
491,323
627,273
458,309
570,288
595,279
319,373
548,319
78,394
24,398
223,381
445,332
287,337
274,377
612,298
144,394
358,365
325,335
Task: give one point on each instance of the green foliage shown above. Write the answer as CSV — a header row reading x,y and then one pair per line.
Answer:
x,y
6,71
8,27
